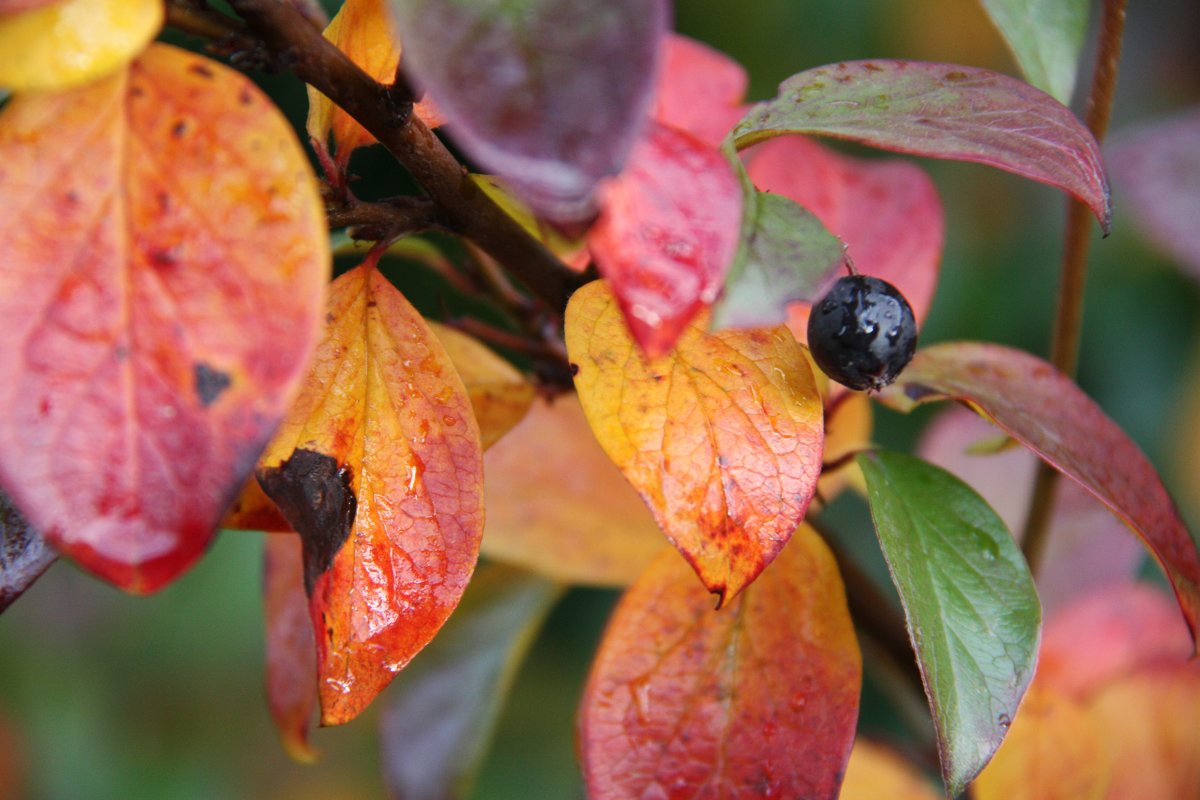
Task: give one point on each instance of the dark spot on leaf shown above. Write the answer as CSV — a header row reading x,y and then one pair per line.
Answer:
x,y
210,383
179,128
574,370
955,76
872,67
330,319
72,197
372,303
919,391
136,91
164,202
314,495
121,352
163,258
245,97
201,69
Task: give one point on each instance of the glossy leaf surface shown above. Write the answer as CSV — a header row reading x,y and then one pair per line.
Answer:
x,y
291,655
969,601
886,211
378,467
557,505
1041,408
699,89
61,45
143,375
942,111
787,257
668,234
1046,36
440,714
521,85
722,438
24,554
758,699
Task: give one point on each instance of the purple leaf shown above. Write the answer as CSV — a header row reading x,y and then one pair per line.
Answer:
x,y
24,554
548,94
942,111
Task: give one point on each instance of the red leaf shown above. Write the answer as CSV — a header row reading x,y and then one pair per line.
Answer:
x,y
291,657
667,234
887,212
759,699
699,89
1041,408
142,373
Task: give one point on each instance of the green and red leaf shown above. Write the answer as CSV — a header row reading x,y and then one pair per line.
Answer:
x,y
722,438
143,375
379,468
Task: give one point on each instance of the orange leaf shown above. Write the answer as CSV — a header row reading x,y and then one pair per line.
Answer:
x,y
722,437
254,511
291,660
362,29
875,772
379,468
556,505
759,699
142,374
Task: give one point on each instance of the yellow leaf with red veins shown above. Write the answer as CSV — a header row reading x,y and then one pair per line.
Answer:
x,y
722,437
500,395
69,43
379,468
163,264
558,506
363,31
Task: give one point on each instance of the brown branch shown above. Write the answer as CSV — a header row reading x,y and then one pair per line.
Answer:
x,y
1068,321
385,220
297,45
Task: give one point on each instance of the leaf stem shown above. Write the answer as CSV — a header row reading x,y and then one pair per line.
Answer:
x,y
1068,321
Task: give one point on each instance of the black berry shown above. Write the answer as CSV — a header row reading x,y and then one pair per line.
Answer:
x,y
862,333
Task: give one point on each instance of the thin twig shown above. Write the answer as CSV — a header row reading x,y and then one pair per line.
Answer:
x,y
388,219
1068,321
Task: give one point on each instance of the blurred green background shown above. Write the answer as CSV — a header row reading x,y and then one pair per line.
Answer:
x,y
107,696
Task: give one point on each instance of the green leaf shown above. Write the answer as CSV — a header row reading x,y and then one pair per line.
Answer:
x,y
1046,36
942,111
785,257
972,610
442,709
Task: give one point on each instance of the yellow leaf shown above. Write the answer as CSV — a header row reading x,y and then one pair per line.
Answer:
x,y
65,44
875,772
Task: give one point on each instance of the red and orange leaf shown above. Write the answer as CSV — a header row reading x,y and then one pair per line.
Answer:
x,y
558,506
667,233
500,395
886,211
254,511
362,29
758,699
142,375
699,89
1041,408
379,468
291,658
875,773
722,438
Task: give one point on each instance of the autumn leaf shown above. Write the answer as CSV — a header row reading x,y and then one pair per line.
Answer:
x,y
699,89
942,111
667,234
13,6
1041,408
722,438
558,506
378,466
24,554
1046,36
291,657
61,45
143,375
757,699
521,84
875,772
849,421
362,29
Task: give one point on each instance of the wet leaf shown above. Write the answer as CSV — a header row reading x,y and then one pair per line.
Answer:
x,y
24,554
254,511
758,699
1157,166
362,29
787,257
291,655
1053,752
521,83
886,211
378,466
969,602
60,45
667,234
699,89
558,506
1041,408
942,111
441,713
875,772
722,438
500,396
143,375
1046,36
